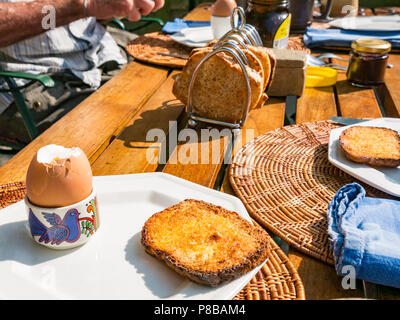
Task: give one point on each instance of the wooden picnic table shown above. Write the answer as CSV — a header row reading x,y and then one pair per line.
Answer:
x,y
111,125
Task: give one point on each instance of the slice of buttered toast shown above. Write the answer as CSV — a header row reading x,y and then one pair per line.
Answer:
x,y
204,242
371,145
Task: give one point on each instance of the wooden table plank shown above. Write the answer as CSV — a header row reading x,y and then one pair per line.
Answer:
x,y
354,102
130,150
267,118
201,12
316,104
96,121
390,91
199,159
319,279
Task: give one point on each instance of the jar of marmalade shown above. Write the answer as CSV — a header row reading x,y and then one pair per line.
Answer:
x,y
271,18
368,62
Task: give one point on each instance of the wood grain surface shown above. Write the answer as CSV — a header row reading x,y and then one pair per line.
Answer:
x,y
96,121
131,151
355,102
112,124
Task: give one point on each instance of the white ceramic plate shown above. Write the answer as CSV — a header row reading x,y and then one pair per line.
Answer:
x,y
375,23
385,179
112,265
194,37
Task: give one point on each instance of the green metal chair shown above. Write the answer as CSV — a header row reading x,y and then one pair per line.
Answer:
x,y
16,91
47,82
124,24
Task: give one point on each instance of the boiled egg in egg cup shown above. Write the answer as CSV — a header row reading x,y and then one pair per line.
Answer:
x,y
60,200
221,17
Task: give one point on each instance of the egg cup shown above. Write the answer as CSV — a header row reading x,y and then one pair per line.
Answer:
x,y
220,26
64,227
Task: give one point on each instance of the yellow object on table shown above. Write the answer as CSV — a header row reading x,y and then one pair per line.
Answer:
x,y
320,77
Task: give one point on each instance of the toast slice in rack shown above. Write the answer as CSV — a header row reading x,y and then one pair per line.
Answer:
x,y
371,145
204,242
220,90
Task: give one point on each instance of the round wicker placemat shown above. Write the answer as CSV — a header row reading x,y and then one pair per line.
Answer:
x,y
11,193
146,47
277,280
285,180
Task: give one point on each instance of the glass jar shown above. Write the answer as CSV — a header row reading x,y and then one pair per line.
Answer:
x,y
271,18
368,62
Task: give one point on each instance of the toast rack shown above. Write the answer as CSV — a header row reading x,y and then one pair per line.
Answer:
x,y
233,42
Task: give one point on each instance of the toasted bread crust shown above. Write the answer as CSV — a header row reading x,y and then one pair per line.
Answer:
x,y
218,267
220,90
371,145
273,62
265,59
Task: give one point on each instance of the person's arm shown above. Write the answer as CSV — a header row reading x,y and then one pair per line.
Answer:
x,y
22,20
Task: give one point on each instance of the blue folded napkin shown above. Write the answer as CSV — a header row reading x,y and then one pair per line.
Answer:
x,y
343,38
179,24
365,233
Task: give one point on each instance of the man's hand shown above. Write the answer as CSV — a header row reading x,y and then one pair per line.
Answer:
x,y
158,4
30,14
130,9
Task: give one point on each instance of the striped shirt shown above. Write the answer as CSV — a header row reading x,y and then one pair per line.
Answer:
x,y
80,47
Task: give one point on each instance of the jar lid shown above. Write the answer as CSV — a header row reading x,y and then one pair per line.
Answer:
x,y
371,45
320,77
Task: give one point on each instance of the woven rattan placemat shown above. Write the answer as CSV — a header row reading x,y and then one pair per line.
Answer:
x,y
11,193
277,280
286,181
146,48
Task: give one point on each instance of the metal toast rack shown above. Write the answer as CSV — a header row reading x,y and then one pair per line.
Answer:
x,y
232,42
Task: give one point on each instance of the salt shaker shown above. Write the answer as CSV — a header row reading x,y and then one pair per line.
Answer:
x,y
221,17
